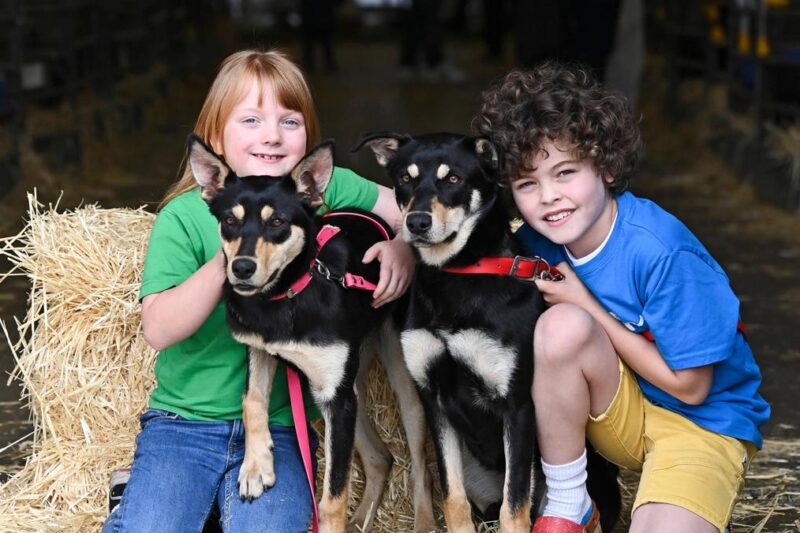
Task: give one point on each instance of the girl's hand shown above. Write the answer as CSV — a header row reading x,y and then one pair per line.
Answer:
x,y
397,268
569,290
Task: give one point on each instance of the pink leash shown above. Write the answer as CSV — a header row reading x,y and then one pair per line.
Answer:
x,y
295,388
301,428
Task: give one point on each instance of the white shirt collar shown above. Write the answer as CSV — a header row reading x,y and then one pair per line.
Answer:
x,y
585,259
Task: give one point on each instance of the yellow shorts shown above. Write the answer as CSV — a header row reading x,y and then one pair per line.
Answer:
x,y
681,463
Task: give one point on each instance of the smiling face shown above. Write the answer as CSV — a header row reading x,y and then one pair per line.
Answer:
x,y
564,199
261,137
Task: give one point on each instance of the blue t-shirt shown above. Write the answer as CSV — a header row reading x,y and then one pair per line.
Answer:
x,y
654,275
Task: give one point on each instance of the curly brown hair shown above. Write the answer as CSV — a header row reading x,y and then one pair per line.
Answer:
x,y
564,103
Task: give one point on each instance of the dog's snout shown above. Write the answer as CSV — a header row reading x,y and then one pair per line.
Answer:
x,y
418,223
243,268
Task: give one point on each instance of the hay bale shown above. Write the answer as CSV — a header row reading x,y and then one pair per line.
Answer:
x,y
85,368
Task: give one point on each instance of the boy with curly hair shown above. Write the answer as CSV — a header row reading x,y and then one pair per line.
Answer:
x,y
641,349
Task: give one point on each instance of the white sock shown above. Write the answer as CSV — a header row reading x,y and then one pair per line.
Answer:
x,y
567,496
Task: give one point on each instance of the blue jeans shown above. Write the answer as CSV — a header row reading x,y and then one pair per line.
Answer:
x,y
183,468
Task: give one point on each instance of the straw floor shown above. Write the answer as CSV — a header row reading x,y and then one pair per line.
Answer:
x,y
87,372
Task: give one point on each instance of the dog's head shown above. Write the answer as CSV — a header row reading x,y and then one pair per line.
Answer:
x,y
444,183
264,221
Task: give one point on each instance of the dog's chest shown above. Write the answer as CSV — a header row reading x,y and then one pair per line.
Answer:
x,y
484,355
323,364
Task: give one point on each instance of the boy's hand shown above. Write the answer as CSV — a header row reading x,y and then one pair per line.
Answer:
x,y
569,290
397,268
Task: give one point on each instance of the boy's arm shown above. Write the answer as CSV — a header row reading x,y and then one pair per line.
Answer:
x,y
690,385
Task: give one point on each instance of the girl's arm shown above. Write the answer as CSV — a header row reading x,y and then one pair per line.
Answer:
x,y
690,385
171,316
386,208
395,256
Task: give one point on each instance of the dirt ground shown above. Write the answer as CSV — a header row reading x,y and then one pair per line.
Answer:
x,y
758,244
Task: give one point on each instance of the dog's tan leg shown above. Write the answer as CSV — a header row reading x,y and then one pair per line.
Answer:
x,y
518,521
257,471
375,456
332,508
413,417
333,514
457,511
518,441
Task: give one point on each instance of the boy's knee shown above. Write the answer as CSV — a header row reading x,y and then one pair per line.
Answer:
x,y
561,332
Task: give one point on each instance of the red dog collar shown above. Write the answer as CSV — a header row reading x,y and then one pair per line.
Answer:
x,y
520,267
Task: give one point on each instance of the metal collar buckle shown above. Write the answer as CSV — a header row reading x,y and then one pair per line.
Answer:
x,y
541,269
325,272
322,269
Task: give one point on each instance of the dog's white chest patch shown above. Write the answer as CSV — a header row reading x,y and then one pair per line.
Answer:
x,y
322,364
484,355
420,349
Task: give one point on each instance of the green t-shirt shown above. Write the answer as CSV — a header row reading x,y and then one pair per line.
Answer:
x,y
203,377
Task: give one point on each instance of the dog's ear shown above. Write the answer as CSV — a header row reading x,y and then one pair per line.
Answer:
x,y
487,153
313,173
208,169
384,144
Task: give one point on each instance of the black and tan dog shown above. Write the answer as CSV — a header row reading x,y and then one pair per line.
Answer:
x,y
468,337
272,242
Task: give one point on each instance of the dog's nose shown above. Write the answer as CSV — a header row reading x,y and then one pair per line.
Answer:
x,y
418,223
243,268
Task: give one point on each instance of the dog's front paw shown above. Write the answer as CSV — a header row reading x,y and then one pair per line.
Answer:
x,y
256,474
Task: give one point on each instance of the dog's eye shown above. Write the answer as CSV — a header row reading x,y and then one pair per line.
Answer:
x,y
276,222
454,179
405,178
230,220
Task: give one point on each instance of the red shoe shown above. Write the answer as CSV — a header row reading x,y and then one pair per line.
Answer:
x,y
554,524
